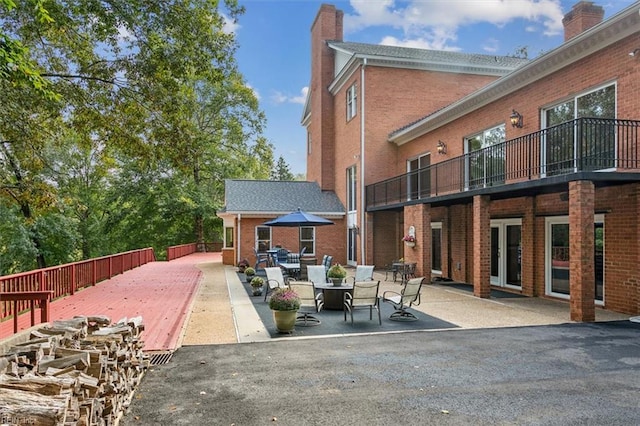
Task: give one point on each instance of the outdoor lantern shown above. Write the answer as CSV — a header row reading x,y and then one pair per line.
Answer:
x,y
442,147
516,119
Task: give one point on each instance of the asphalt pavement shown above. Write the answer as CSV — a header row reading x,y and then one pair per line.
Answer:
x,y
563,374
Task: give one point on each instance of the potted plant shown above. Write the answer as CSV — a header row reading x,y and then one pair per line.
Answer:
x,y
284,303
242,265
409,240
256,285
337,274
249,273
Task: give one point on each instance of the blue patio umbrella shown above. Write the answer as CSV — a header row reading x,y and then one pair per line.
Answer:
x,y
298,219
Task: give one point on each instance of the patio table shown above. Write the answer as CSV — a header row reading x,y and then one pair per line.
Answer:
x,y
334,295
293,269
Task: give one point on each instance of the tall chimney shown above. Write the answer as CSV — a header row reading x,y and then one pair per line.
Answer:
x,y
327,26
582,16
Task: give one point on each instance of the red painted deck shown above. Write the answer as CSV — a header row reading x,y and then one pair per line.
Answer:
x,y
160,292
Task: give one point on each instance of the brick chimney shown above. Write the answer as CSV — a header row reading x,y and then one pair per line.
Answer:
x,y
326,26
582,16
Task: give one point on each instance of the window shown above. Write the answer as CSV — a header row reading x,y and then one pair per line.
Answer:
x,y
419,177
436,248
351,102
584,145
308,143
308,239
485,158
228,237
263,238
351,189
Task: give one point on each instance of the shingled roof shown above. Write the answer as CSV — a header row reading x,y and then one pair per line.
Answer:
x,y
430,56
278,197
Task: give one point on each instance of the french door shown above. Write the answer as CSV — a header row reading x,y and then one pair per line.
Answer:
x,y
506,253
557,257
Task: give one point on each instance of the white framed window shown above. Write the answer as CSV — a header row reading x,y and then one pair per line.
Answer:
x,y
436,248
590,146
228,237
486,158
419,182
308,239
263,238
351,102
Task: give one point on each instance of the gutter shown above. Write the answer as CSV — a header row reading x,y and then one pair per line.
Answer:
x,y
363,230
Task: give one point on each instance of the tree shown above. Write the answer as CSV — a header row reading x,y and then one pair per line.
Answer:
x,y
138,97
280,170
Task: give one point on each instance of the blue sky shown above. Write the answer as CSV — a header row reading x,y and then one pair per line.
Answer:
x,y
274,38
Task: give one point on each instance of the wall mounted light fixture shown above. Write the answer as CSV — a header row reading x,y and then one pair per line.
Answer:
x,y
635,52
442,148
516,119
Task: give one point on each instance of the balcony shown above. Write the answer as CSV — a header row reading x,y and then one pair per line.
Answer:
x,y
585,148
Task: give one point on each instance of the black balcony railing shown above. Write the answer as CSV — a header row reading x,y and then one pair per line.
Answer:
x,y
584,144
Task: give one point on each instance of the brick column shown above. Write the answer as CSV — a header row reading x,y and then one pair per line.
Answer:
x,y
581,247
528,247
481,247
424,235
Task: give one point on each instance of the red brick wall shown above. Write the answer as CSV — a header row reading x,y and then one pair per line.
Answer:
x,y
327,26
330,239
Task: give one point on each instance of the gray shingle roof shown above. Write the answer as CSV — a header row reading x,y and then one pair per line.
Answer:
x,y
279,197
435,56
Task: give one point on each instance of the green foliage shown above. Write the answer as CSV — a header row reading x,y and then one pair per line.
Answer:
x,y
281,170
257,282
337,271
119,126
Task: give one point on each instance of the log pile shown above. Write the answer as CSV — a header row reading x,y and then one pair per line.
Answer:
x,y
80,371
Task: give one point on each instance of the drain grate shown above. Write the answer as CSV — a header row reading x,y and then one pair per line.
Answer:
x,y
160,358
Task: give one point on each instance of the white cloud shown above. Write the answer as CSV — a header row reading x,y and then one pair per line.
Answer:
x,y
491,45
434,23
281,98
255,91
230,26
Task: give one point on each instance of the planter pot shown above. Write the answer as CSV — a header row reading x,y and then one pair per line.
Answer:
x,y
248,278
337,282
285,320
410,244
256,291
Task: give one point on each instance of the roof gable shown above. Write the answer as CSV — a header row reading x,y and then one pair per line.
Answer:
x,y
278,197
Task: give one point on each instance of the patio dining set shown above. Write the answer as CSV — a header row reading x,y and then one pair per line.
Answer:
x,y
360,291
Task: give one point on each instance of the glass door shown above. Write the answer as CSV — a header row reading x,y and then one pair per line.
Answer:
x,y
558,274
506,253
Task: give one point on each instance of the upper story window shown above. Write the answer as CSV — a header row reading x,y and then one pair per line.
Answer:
x,y
351,189
419,181
485,159
351,102
588,145
308,143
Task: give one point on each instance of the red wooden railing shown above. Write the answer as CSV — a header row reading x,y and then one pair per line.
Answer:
x,y
63,280
175,252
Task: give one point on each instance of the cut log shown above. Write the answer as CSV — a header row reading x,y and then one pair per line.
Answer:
x,y
20,407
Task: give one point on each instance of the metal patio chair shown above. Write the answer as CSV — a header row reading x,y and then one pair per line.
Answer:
x,y
364,295
408,296
275,279
309,299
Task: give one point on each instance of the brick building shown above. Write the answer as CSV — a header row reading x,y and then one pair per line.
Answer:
x,y
518,174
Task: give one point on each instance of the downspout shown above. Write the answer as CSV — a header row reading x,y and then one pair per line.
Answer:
x,y
363,229
238,239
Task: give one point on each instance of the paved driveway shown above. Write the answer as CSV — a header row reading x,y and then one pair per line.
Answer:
x,y
567,374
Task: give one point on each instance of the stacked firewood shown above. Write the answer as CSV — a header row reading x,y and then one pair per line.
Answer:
x,y
80,371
